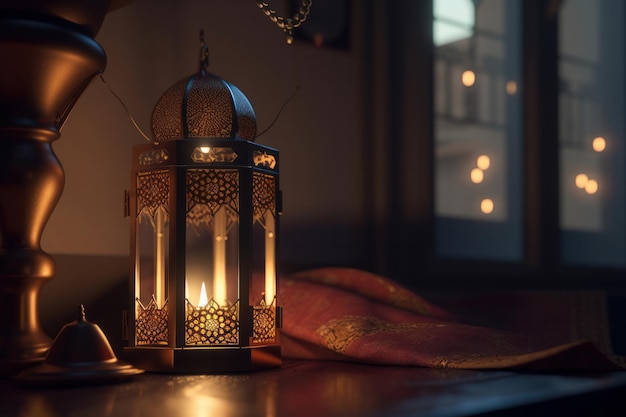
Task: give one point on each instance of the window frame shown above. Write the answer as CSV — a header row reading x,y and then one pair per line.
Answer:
x,y
404,241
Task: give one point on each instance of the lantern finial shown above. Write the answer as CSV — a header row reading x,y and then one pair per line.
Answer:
x,y
80,314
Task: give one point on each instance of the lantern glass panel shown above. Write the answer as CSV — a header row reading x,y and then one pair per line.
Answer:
x,y
212,257
264,239
211,264
263,285
152,231
152,259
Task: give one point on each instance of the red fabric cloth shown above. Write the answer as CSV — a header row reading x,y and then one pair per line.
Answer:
x,y
353,315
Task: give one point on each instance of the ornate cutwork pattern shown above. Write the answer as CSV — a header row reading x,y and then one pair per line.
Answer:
x,y
167,114
209,108
212,324
264,323
213,154
151,323
263,159
153,193
154,156
339,334
208,190
213,107
246,118
263,196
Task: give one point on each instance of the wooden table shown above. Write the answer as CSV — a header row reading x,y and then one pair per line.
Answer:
x,y
326,389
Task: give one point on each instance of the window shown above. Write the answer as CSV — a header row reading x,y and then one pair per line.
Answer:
x,y
478,129
500,131
592,132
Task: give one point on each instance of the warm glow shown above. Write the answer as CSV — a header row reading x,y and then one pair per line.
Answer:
x,y
270,258
486,206
483,162
205,149
219,256
511,87
198,401
204,299
159,258
477,175
581,180
598,144
591,187
468,78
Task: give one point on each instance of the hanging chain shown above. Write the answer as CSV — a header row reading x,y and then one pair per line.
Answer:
x,y
287,24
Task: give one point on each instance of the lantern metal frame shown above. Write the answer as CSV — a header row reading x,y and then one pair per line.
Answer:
x,y
253,350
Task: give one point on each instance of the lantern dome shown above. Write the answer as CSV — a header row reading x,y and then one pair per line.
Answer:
x,y
203,106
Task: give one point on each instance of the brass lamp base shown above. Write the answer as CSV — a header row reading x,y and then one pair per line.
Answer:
x,y
49,57
45,68
203,360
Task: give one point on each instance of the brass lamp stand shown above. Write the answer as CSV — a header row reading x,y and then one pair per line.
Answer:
x,y
48,58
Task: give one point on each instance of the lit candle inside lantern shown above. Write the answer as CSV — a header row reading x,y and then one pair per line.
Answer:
x,y
219,256
270,251
159,260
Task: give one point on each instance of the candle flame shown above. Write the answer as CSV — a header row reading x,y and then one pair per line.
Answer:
x,y
204,300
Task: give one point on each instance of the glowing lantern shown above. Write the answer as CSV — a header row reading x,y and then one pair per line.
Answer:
x,y
204,205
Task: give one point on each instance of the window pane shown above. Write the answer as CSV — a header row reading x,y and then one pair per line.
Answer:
x,y
478,128
591,132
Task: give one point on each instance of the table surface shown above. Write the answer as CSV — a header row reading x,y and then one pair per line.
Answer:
x,y
320,388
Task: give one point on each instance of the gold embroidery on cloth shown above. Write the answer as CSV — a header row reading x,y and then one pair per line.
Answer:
x,y
498,348
338,334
